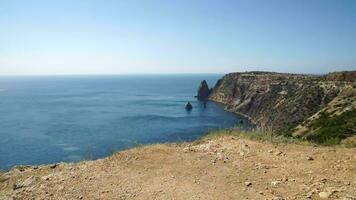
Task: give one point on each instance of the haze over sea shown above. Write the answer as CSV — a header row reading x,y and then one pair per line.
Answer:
x,y
47,119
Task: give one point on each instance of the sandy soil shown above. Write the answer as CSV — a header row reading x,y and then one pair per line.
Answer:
x,y
221,168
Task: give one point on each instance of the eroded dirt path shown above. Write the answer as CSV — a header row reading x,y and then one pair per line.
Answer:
x,y
222,168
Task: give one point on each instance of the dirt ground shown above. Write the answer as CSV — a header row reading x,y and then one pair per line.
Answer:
x,y
221,168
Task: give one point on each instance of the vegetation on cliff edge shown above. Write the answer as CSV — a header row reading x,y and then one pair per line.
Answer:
x,y
332,129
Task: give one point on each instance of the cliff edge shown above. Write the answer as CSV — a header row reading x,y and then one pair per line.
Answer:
x,y
282,101
226,167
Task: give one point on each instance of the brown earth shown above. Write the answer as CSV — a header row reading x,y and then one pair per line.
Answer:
x,y
225,167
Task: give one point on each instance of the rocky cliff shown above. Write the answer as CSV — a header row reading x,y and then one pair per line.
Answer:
x,y
284,101
203,91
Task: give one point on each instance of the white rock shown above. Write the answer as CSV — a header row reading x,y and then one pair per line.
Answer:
x,y
278,198
29,181
275,183
324,195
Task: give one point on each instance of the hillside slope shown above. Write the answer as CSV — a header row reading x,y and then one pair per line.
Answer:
x,y
225,167
284,101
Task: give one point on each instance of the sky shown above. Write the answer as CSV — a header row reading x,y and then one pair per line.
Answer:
x,y
176,36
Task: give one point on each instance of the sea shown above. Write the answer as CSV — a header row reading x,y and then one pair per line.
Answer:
x,y
49,119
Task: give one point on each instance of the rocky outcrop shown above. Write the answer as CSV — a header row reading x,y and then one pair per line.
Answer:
x,y
279,100
189,106
203,91
349,76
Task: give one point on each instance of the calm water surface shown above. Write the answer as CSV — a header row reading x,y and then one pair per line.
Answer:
x,y
71,118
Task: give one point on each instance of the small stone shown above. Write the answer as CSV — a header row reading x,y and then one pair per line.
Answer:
x,y
26,183
275,183
47,178
310,158
311,193
277,153
278,198
324,195
324,180
53,166
248,184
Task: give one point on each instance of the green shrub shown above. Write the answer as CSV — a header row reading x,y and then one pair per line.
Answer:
x,y
331,129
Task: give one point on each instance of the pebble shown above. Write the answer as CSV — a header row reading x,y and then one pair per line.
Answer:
x,y
53,166
26,183
310,158
275,183
278,198
324,195
311,193
248,184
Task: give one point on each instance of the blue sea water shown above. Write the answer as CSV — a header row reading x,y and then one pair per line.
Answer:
x,y
48,119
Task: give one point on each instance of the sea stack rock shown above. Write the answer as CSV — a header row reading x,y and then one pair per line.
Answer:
x,y
203,91
189,106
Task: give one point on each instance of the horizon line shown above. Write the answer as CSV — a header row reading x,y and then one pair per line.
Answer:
x,y
114,74
162,73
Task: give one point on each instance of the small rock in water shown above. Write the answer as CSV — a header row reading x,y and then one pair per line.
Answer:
x,y
189,106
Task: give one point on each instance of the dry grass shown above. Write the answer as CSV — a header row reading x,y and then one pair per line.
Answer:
x,y
349,142
256,135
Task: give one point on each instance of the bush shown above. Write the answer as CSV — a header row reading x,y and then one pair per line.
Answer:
x,y
349,142
331,129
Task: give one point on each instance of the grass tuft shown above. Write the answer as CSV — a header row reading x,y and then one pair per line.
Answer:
x,y
349,142
265,136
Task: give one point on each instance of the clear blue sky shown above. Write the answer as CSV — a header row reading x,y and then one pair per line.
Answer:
x,y
176,36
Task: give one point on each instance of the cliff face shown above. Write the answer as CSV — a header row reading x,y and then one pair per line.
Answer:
x,y
278,100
